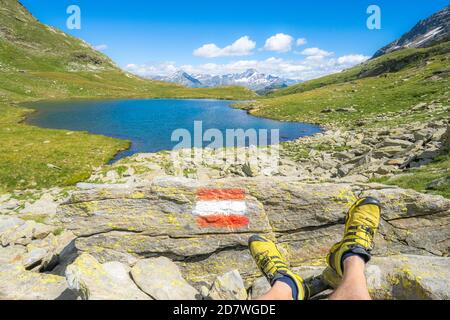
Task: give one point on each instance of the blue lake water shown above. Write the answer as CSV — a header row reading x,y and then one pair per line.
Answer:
x,y
149,124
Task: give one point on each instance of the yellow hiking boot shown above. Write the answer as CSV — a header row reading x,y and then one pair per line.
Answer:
x,y
272,264
361,224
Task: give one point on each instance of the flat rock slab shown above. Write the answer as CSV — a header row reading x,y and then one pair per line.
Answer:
x,y
159,218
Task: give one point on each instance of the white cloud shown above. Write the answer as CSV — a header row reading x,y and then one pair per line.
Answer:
x,y
279,43
163,69
301,42
305,69
352,59
316,52
241,47
101,47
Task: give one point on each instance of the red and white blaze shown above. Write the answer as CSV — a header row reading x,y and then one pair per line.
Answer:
x,y
221,208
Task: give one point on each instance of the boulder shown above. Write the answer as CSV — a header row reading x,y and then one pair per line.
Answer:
x,y
420,106
422,134
8,223
229,286
438,183
161,279
34,257
389,150
395,162
45,205
19,234
17,231
409,277
18,284
8,206
349,109
396,142
91,280
12,255
344,170
45,254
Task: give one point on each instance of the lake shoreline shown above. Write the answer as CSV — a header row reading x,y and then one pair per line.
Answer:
x,y
303,129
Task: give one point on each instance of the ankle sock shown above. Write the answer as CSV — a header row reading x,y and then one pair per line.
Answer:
x,y
291,283
348,255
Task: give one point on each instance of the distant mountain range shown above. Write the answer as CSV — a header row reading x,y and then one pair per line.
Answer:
x,y
251,79
426,33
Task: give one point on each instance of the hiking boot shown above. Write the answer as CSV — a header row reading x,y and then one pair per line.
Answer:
x,y
361,224
272,264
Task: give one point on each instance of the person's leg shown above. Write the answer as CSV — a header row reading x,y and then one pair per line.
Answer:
x,y
347,258
286,285
354,284
279,291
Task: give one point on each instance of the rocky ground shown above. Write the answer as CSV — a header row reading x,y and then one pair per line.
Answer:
x,y
130,232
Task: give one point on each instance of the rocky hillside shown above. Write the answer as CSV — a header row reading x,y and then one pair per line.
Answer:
x,y
426,33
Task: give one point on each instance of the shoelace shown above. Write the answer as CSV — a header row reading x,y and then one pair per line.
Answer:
x,y
265,260
364,233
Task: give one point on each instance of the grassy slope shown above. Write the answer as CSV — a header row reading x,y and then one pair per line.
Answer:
x,y
41,63
389,84
419,178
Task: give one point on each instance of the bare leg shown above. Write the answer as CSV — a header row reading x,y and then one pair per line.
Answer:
x,y
280,291
354,284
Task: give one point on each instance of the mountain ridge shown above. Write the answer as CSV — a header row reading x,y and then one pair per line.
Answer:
x,y
427,32
28,44
251,79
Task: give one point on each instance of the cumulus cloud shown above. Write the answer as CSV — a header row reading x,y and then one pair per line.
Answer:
x,y
316,52
301,42
352,59
156,69
279,43
101,47
241,47
305,69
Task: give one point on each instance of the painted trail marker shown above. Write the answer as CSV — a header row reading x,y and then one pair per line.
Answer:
x,y
221,208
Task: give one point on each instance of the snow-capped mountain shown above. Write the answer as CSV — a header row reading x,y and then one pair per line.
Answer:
x,y
427,32
182,78
251,79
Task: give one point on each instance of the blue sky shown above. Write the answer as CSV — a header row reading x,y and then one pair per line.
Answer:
x,y
149,37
